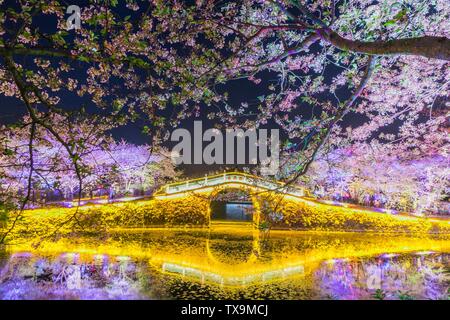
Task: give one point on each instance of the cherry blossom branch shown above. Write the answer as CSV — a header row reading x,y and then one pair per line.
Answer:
x,y
247,42
29,184
308,14
308,41
23,89
426,46
324,134
60,53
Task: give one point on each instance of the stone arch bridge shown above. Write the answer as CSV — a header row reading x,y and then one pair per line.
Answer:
x,y
189,202
210,186
231,180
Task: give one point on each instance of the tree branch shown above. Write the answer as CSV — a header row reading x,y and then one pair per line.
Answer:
x,y
29,183
22,86
324,134
426,46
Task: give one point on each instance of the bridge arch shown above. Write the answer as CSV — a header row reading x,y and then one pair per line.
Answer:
x,y
232,203
209,186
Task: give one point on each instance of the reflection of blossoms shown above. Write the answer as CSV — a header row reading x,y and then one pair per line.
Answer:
x,y
374,278
433,277
338,280
74,277
26,277
392,277
124,278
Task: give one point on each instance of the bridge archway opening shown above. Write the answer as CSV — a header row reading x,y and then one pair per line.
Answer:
x,y
231,204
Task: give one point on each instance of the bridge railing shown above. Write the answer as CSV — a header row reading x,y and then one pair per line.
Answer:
x,y
234,177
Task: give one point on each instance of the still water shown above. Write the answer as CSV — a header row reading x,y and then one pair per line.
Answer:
x,y
227,261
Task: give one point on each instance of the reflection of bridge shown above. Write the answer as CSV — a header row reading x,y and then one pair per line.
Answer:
x,y
217,278
242,257
228,180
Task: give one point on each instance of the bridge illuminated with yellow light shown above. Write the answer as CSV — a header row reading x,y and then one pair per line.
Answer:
x,y
230,180
293,202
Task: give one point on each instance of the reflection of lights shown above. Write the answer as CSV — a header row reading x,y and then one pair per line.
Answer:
x,y
123,258
70,257
167,246
389,255
423,253
21,255
339,281
232,280
333,261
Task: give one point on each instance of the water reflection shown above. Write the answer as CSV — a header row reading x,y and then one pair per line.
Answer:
x,y
233,263
31,276
386,277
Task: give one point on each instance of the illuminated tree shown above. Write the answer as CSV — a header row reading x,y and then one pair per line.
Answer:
x,y
27,173
378,175
101,162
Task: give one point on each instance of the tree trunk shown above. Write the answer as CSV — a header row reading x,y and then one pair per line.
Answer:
x,y
427,46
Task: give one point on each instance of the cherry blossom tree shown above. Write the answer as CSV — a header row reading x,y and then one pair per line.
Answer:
x,y
131,166
28,173
374,175
104,163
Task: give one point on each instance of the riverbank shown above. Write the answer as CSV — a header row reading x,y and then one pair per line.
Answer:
x,y
194,211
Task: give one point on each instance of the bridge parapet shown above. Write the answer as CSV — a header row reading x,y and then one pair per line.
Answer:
x,y
230,178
